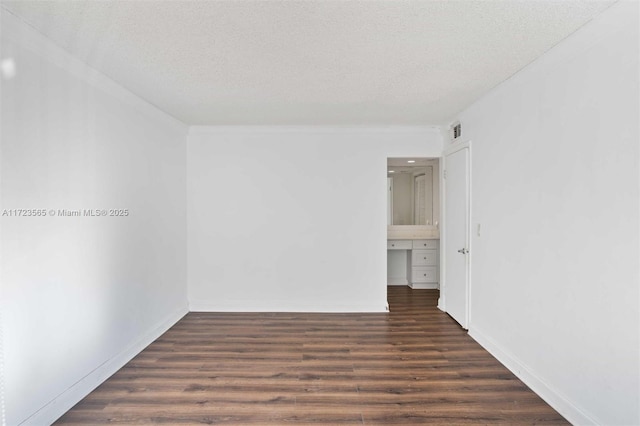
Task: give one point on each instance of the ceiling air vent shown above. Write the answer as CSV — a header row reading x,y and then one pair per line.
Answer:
x,y
455,131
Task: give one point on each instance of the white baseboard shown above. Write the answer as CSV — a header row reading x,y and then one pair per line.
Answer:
x,y
424,286
284,306
552,397
67,399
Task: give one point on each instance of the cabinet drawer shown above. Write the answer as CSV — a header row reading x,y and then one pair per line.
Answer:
x,y
425,244
424,257
398,244
424,274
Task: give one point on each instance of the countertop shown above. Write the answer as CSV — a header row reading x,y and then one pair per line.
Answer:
x,y
413,232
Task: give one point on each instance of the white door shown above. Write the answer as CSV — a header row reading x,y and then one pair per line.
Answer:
x,y
456,239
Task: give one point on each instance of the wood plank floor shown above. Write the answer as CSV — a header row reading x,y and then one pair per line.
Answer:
x,y
414,365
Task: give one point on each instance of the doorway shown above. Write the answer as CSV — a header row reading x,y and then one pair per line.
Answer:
x,y
413,215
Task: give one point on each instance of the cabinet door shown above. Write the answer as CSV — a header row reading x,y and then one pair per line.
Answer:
x,y
424,257
426,244
424,274
398,244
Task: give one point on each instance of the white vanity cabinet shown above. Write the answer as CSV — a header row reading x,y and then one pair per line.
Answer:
x,y
399,244
420,269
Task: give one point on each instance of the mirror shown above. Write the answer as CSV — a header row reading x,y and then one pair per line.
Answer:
x,y
412,191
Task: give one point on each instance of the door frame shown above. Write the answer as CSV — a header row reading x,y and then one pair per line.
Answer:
x,y
442,303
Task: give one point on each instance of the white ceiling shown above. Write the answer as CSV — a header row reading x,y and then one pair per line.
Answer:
x,y
312,62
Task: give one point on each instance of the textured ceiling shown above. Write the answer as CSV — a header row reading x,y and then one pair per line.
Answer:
x,y
322,62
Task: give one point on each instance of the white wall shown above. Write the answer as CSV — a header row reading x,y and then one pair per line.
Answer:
x,y
556,189
81,295
302,226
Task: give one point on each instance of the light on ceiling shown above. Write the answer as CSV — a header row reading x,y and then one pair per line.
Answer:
x,y
411,161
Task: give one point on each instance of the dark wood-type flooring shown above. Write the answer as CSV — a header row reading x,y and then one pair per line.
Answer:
x,y
414,365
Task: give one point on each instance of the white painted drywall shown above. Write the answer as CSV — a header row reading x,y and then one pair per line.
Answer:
x,y
302,225
555,187
81,295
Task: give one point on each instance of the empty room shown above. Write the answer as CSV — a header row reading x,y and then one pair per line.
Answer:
x,y
319,212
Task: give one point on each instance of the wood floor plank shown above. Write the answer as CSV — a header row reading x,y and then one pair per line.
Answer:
x,y
414,365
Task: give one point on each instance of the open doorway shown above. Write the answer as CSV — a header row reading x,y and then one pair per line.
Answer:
x,y
413,222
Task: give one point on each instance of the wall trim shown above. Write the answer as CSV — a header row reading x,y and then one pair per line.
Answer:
x,y
53,410
285,306
551,396
20,32
199,130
